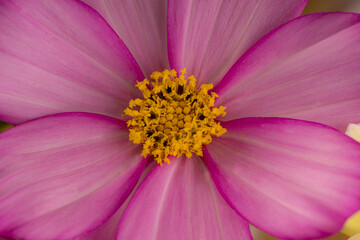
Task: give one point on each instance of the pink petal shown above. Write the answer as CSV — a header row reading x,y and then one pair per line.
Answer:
x,y
293,179
61,56
109,229
64,175
208,37
142,26
307,69
180,201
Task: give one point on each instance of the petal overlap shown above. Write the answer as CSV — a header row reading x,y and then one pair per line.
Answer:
x,y
179,201
61,56
293,179
64,175
108,230
207,37
142,26
306,69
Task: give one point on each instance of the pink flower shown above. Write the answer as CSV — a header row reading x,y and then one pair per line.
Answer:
x,y
68,175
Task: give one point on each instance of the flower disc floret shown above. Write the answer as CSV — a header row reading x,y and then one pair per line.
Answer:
x,y
174,117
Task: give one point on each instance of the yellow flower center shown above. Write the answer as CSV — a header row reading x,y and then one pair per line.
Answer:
x,y
174,117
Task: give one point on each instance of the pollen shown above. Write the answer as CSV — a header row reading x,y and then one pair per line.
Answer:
x,y
174,117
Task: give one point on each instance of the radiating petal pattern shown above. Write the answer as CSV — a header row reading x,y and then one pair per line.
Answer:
x,y
142,26
306,69
207,37
64,175
291,178
109,229
61,56
180,201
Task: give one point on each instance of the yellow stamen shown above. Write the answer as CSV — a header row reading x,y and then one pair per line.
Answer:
x,y
175,117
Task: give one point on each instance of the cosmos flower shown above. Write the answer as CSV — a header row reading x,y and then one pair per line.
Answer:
x,y
251,133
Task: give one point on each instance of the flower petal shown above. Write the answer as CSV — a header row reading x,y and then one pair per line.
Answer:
x,y
61,56
180,201
306,69
291,178
64,175
142,26
109,229
208,37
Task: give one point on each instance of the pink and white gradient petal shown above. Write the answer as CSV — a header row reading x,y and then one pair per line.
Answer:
x,y
65,175
306,69
180,201
61,56
142,26
207,37
291,178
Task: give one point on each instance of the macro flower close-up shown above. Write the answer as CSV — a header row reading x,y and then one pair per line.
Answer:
x,y
177,119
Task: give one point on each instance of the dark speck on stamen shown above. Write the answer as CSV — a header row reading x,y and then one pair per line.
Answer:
x,y
161,95
180,89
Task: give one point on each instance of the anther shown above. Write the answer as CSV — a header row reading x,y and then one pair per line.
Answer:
x,y
172,124
152,98
152,116
161,95
180,89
